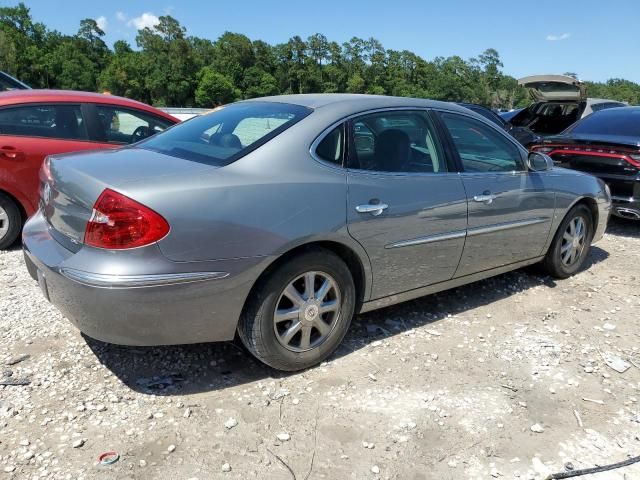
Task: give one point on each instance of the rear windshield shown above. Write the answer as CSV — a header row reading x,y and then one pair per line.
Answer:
x,y
623,121
221,137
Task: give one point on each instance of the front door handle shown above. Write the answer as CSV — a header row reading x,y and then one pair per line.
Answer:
x,y
374,209
487,197
9,152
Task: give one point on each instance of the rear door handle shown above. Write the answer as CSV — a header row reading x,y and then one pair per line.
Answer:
x,y
486,197
374,209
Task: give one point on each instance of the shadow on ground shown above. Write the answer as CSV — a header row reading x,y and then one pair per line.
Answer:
x,y
186,369
624,227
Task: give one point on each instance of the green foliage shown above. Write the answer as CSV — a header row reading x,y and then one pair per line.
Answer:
x,y
214,88
169,68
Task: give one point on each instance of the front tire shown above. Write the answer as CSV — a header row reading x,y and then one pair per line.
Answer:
x,y
570,246
300,313
10,221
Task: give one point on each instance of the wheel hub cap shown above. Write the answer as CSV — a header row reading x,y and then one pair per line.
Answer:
x,y
4,223
311,312
307,311
573,241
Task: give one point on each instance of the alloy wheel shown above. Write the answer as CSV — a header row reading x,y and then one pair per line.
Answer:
x,y
573,241
307,311
4,223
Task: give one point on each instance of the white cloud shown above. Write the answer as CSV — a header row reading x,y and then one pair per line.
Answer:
x,y
555,38
102,23
147,19
121,16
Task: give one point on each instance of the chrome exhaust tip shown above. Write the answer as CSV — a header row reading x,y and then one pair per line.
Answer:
x,y
628,213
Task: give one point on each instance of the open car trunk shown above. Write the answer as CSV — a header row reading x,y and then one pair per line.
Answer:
x,y
549,118
559,103
548,88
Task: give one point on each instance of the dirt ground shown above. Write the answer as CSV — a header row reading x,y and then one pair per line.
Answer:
x,y
511,377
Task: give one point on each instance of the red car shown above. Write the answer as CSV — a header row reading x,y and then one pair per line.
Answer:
x,y
37,123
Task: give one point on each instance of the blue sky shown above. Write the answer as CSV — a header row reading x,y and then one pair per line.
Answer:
x,y
596,39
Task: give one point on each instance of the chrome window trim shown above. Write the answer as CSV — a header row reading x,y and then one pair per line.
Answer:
x,y
137,281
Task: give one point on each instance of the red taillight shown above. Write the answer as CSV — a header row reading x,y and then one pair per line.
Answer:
x,y
629,156
118,222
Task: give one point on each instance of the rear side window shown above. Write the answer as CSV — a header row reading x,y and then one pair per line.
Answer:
x,y
123,125
48,121
481,148
624,121
331,147
221,137
401,141
603,106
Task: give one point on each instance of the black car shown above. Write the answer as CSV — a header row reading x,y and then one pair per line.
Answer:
x,y
525,136
7,82
605,144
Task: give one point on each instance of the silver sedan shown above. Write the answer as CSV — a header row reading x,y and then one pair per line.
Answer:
x,y
280,218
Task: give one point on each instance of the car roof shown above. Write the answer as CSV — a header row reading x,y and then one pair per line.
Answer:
x,y
604,100
357,102
16,97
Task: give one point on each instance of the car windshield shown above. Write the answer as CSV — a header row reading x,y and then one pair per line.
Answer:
x,y
623,121
228,133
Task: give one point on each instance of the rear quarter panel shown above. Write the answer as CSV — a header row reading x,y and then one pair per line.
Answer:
x,y
571,187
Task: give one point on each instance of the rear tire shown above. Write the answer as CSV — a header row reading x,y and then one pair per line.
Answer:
x,y
10,221
570,246
280,323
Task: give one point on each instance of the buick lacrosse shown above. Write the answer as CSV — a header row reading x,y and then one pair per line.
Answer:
x,y
280,218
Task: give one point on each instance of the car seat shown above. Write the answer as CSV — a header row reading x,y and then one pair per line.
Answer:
x,y
392,151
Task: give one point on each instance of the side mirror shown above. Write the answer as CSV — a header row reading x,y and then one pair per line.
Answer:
x,y
539,162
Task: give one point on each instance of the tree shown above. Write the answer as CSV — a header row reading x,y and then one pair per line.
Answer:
x,y
169,68
214,89
258,83
168,63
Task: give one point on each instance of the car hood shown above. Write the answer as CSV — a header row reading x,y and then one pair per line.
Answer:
x,y
543,88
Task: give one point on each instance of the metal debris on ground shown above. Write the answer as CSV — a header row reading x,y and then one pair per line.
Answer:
x,y
617,363
589,471
108,458
15,382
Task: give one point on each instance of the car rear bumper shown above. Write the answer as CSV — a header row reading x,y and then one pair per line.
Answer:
x,y
626,207
162,303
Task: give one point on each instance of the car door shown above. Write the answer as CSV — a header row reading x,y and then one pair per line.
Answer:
x,y
510,209
406,204
30,132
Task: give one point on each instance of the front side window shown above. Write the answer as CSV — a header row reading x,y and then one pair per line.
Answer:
x,y
396,141
122,125
228,133
48,121
480,147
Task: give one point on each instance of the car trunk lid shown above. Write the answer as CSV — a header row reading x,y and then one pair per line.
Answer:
x,y
72,183
595,154
544,88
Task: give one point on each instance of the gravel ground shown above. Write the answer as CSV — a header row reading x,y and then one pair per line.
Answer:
x,y
513,377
